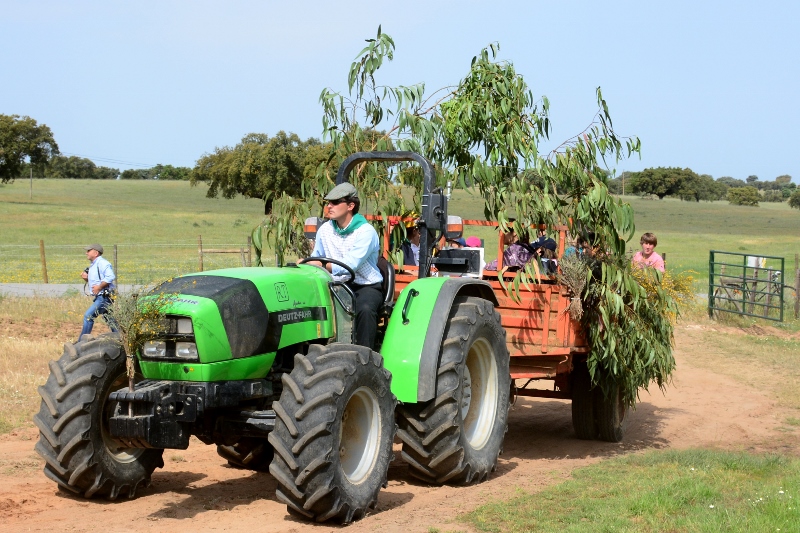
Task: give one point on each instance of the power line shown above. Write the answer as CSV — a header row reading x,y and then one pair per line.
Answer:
x,y
108,160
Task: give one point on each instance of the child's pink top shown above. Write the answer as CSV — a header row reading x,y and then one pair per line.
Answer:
x,y
654,261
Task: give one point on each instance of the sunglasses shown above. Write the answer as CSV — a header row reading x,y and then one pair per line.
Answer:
x,y
337,202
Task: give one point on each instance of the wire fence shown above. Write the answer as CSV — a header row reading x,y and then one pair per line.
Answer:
x,y
134,263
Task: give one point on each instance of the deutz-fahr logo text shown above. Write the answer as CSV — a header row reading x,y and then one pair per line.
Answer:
x,y
294,316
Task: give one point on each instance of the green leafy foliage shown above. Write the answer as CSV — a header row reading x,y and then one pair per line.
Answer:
x,y
794,199
74,167
158,172
483,134
744,196
259,167
140,317
22,138
773,196
683,183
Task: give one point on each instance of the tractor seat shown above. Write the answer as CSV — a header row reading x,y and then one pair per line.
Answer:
x,y
387,287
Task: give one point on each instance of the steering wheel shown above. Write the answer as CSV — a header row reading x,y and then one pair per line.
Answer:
x,y
326,260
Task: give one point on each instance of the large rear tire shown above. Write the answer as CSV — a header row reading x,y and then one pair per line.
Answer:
x,y
583,408
457,437
74,440
333,434
611,414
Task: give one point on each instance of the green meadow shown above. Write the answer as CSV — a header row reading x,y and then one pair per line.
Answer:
x,y
156,226
677,491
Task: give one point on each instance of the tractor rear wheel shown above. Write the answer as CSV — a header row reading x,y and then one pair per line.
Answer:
x,y
583,405
611,413
250,454
333,433
74,441
456,437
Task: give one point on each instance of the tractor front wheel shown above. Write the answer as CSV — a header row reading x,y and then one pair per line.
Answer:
x,y
74,441
457,437
333,433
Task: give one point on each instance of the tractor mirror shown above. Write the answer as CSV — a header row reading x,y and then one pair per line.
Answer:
x,y
455,227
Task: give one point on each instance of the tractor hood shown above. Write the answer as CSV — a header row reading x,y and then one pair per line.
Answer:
x,y
243,312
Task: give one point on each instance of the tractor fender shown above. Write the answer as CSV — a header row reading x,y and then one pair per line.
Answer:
x,y
414,335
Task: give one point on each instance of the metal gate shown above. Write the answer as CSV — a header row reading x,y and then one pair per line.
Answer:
x,y
745,284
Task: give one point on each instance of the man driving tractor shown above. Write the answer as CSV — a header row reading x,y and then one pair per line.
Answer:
x,y
349,238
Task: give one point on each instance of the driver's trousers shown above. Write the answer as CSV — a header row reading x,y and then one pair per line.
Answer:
x,y
368,300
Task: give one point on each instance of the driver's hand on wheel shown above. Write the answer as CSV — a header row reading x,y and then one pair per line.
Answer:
x,y
320,265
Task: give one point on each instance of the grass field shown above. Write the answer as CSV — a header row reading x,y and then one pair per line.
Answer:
x,y
155,225
156,222
694,490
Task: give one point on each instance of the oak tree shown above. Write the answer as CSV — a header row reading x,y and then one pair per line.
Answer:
x,y
21,139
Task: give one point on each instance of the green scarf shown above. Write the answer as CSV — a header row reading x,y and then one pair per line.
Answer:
x,y
356,222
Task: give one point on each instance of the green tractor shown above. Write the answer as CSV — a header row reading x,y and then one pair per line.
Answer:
x,y
260,363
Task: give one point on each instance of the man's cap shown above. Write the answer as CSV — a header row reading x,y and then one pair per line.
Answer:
x,y
97,247
343,190
460,241
473,242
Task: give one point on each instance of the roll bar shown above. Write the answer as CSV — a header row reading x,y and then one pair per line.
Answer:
x,y
434,203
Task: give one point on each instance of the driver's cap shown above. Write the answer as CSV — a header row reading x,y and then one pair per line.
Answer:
x,y
343,190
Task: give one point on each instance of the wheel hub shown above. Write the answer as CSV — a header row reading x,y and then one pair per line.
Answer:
x,y
480,394
359,438
118,451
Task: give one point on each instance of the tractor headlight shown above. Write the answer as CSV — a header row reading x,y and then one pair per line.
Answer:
x,y
185,326
186,350
155,349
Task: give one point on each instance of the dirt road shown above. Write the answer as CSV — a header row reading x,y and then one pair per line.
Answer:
x,y
197,491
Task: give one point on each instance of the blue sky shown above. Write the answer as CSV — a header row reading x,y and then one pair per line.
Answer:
x,y
709,85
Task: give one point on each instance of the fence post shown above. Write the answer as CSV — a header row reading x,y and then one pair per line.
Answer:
x,y
797,285
249,250
116,271
711,283
200,250
44,262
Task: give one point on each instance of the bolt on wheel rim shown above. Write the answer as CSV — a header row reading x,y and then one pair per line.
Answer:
x,y
359,438
480,387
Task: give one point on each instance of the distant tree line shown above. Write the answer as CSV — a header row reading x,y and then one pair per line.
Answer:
x,y
260,166
29,149
688,185
158,172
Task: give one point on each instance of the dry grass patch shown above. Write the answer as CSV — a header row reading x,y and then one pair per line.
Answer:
x,y
32,333
761,354
23,367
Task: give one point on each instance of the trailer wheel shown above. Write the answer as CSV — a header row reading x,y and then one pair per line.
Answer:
x,y
333,434
583,406
74,441
250,454
456,437
611,415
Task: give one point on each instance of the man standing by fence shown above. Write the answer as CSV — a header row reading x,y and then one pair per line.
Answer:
x,y
100,279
